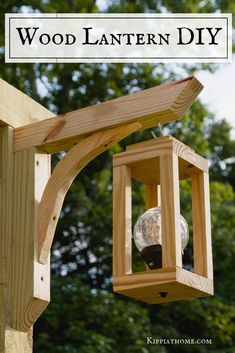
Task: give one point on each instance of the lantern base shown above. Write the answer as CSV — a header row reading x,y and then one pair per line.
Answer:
x,y
152,255
163,285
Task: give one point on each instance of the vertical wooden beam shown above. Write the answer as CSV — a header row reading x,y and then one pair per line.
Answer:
x,y
152,197
17,109
6,205
170,210
122,246
30,280
201,225
11,341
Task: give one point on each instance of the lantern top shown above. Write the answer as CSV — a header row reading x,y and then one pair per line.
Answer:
x,y
143,159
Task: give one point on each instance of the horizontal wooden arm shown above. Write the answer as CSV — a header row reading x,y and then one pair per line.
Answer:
x,y
155,105
17,109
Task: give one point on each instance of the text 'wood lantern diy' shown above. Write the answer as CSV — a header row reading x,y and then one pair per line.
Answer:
x,y
162,162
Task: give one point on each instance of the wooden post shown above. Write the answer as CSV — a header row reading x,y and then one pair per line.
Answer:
x,y
6,204
11,341
18,269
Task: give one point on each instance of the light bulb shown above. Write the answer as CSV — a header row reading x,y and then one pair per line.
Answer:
x,y
148,236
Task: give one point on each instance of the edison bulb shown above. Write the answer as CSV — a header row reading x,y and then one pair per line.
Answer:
x,y
148,236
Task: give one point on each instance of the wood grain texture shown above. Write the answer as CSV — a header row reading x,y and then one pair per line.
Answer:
x,y
122,213
17,109
183,103
11,341
30,281
188,155
17,341
2,339
163,275
160,104
63,175
202,248
152,197
6,205
178,283
170,211
195,281
143,159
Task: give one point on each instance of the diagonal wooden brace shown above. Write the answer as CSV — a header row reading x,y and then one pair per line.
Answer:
x,y
63,175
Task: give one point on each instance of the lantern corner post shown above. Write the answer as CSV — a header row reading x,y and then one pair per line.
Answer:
x,y
203,262
122,215
170,208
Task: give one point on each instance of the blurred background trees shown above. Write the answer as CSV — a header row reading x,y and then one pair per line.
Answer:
x,y
84,315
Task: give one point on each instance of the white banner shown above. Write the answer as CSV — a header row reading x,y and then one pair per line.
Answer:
x,y
119,38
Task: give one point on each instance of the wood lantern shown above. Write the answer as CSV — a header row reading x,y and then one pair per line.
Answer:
x,y
160,164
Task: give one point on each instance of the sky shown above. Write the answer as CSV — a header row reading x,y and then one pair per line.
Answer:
x,y
219,88
219,92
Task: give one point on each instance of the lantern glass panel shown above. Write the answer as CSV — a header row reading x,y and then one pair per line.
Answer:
x,y
148,236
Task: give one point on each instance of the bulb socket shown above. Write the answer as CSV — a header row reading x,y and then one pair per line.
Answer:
x,y
152,255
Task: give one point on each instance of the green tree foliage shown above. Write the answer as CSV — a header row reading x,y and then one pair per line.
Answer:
x,y
84,315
